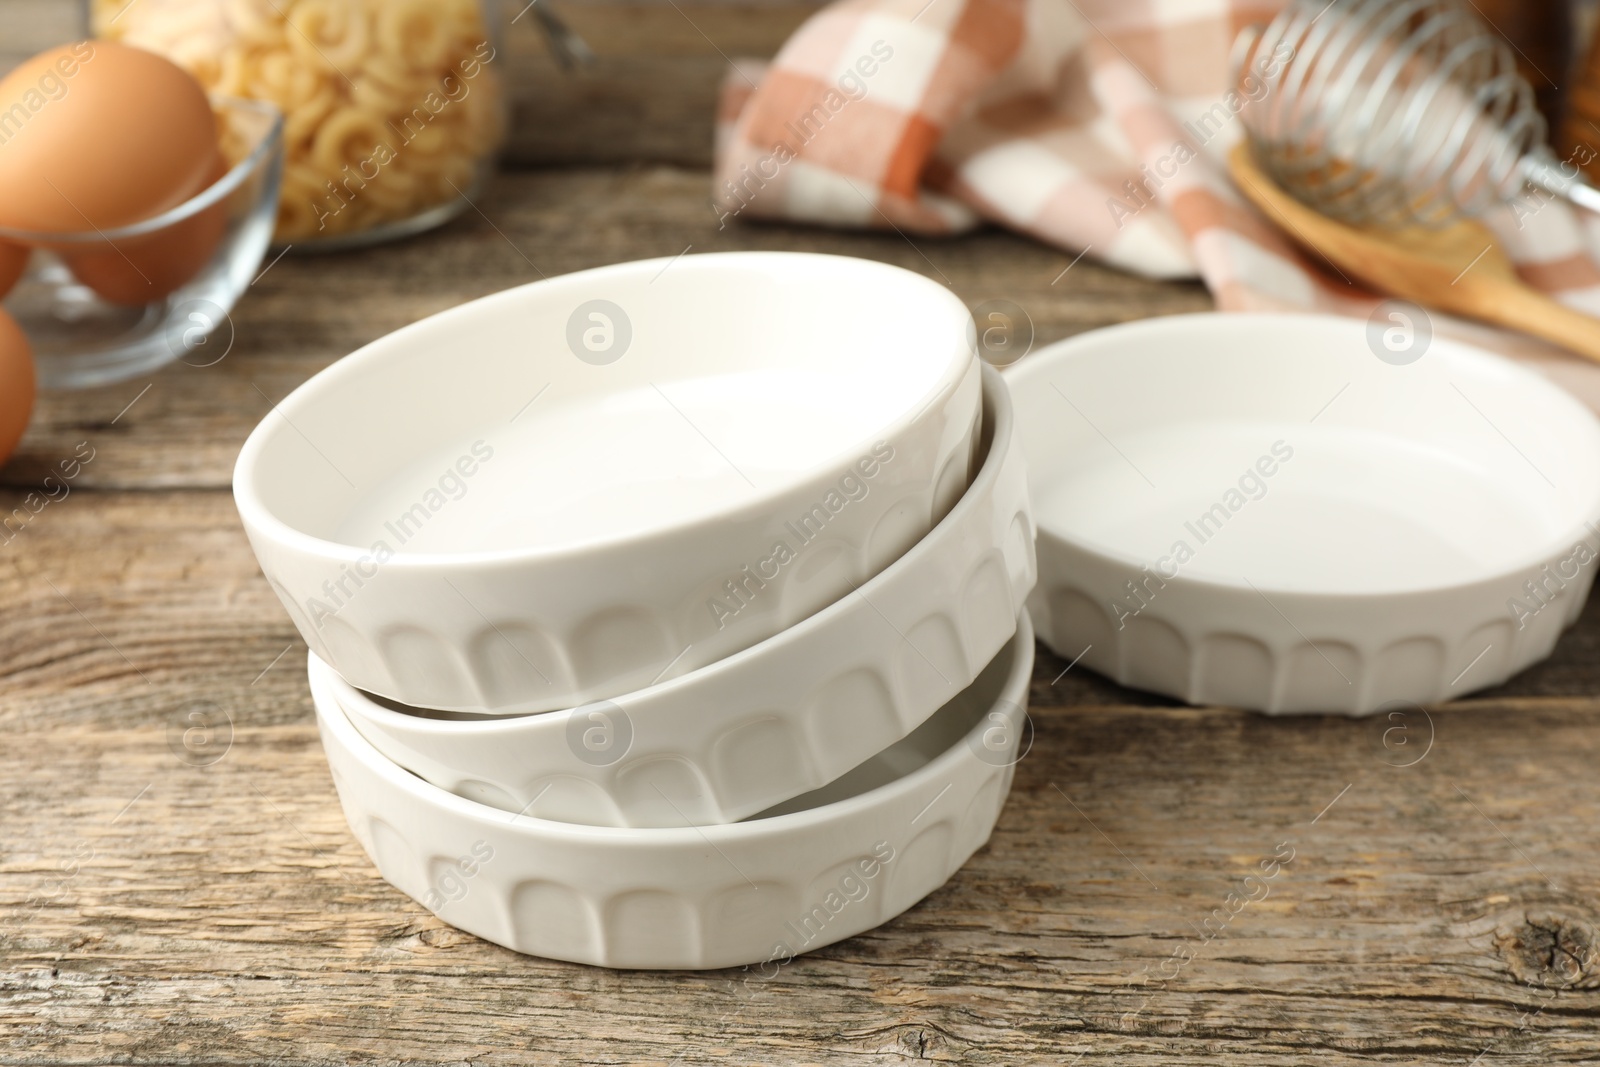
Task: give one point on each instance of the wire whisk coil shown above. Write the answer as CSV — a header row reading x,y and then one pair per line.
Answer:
x,y
1391,112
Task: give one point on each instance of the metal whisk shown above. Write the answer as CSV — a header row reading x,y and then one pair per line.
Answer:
x,y
1393,112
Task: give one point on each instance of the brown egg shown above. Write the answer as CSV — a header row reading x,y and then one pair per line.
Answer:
x,y
13,261
16,384
96,135
143,269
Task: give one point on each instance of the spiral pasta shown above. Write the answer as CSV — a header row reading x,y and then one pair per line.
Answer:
x,y
389,105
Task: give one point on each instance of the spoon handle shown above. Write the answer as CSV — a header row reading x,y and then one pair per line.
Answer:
x,y
1427,267
1532,312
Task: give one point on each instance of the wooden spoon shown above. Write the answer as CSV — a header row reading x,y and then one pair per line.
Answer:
x,y
1459,268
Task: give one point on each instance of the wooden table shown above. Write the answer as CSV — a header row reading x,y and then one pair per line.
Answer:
x,y
172,903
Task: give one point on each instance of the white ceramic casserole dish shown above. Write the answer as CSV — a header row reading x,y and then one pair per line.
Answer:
x,y
820,868
1266,511
583,486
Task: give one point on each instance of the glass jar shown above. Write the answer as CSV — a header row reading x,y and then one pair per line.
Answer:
x,y
393,109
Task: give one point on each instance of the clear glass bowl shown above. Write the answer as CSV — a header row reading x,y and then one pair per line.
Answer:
x,y
81,339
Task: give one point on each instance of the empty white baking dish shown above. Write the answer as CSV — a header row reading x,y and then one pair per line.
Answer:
x,y
763,725
583,486
820,868
1260,511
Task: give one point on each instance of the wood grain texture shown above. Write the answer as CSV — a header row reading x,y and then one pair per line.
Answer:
x,y
158,911
651,93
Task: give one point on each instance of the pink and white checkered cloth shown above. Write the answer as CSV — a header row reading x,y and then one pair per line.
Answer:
x,y
1072,121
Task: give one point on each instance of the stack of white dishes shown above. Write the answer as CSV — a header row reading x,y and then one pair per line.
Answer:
x,y
662,615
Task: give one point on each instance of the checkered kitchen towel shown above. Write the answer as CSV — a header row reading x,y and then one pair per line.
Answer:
x,y
1098,126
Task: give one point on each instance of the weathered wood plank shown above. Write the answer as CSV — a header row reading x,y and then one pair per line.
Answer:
x,y
227,917
165,913
651,93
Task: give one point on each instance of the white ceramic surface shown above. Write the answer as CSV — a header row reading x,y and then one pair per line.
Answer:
x,y
776,720
580,487
1258,511
823,867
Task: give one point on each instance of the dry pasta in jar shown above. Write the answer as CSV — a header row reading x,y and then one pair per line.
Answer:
x,y
391,107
